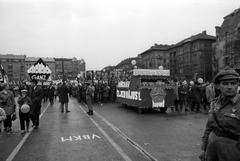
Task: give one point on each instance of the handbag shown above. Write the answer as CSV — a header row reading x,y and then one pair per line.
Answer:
x,y
14,117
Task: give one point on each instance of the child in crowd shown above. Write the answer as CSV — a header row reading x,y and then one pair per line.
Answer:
x,y
2,118
24,115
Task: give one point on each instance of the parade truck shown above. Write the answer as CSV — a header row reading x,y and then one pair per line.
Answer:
x,y
147,89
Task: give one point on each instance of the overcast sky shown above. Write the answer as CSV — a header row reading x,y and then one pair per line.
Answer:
x,y
103,32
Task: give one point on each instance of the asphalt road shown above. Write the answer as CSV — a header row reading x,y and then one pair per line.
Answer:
x,y
114,132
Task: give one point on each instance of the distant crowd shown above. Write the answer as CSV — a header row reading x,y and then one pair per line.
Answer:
x,y
194,95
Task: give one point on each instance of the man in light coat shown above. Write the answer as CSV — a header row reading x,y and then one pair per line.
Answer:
x,y
210,93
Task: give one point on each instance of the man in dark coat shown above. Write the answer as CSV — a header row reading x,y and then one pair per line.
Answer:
x,y
36,94
64,97
51,91
196,97
183,95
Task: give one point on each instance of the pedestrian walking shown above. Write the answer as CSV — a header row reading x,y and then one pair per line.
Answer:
x,y
51,91
36,94
221,139
89,96
3,117
7,102
24,114
176,94
63,94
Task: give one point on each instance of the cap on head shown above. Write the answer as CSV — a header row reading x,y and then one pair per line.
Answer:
x,y
226,75
24,90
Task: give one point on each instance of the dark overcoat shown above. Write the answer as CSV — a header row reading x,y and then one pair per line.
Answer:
x,y
196,94
51,91
63,93
36,96
183,93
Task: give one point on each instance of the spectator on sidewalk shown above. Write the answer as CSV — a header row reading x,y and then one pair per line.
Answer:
x,y
24,116
7,102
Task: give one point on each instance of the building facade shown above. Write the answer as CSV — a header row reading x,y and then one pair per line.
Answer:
x,y
192,58
14,66
68,69
226,50
154,57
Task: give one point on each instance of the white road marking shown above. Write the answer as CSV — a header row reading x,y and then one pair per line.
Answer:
x,y
120,151
20,144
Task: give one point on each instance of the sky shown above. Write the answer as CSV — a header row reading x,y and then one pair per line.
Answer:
x,y
103,32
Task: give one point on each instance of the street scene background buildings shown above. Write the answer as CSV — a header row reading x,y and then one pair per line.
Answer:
x,y
199,55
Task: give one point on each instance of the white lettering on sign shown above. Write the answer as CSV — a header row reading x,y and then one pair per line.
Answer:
x,y
79,138
133,95
39,77
151,72
123,84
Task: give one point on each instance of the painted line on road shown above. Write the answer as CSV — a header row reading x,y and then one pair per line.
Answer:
x,y
138,147
120,151
20,144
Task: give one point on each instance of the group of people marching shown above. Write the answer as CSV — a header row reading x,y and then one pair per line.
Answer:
x,y
29,107
103,92
193,95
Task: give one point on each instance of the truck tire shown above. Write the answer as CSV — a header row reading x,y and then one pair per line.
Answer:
x,y
163,110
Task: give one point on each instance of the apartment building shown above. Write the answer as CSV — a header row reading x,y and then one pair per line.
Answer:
x,y
226,49
191,58
14,66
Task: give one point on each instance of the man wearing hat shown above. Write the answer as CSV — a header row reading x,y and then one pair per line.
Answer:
x,y
36,94
24,113
221,139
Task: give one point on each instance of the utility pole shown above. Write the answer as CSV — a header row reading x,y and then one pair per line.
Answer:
x,y
63,70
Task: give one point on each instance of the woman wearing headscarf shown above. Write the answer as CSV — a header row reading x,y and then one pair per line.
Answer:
x,y
7,102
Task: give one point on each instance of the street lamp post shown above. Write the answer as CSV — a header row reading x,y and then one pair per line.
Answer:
x,y
204,68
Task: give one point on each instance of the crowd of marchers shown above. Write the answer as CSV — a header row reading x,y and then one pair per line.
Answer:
x,y
194,95
34,95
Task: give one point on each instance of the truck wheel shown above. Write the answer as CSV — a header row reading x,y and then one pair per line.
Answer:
x,y
163,110
140,110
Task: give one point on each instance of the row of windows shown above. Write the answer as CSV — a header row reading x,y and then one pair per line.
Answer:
x,y
11,60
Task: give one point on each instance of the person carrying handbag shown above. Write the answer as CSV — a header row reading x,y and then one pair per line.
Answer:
x,y
7,102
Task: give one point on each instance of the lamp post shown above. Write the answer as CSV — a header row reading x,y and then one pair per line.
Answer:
x,y
204,68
